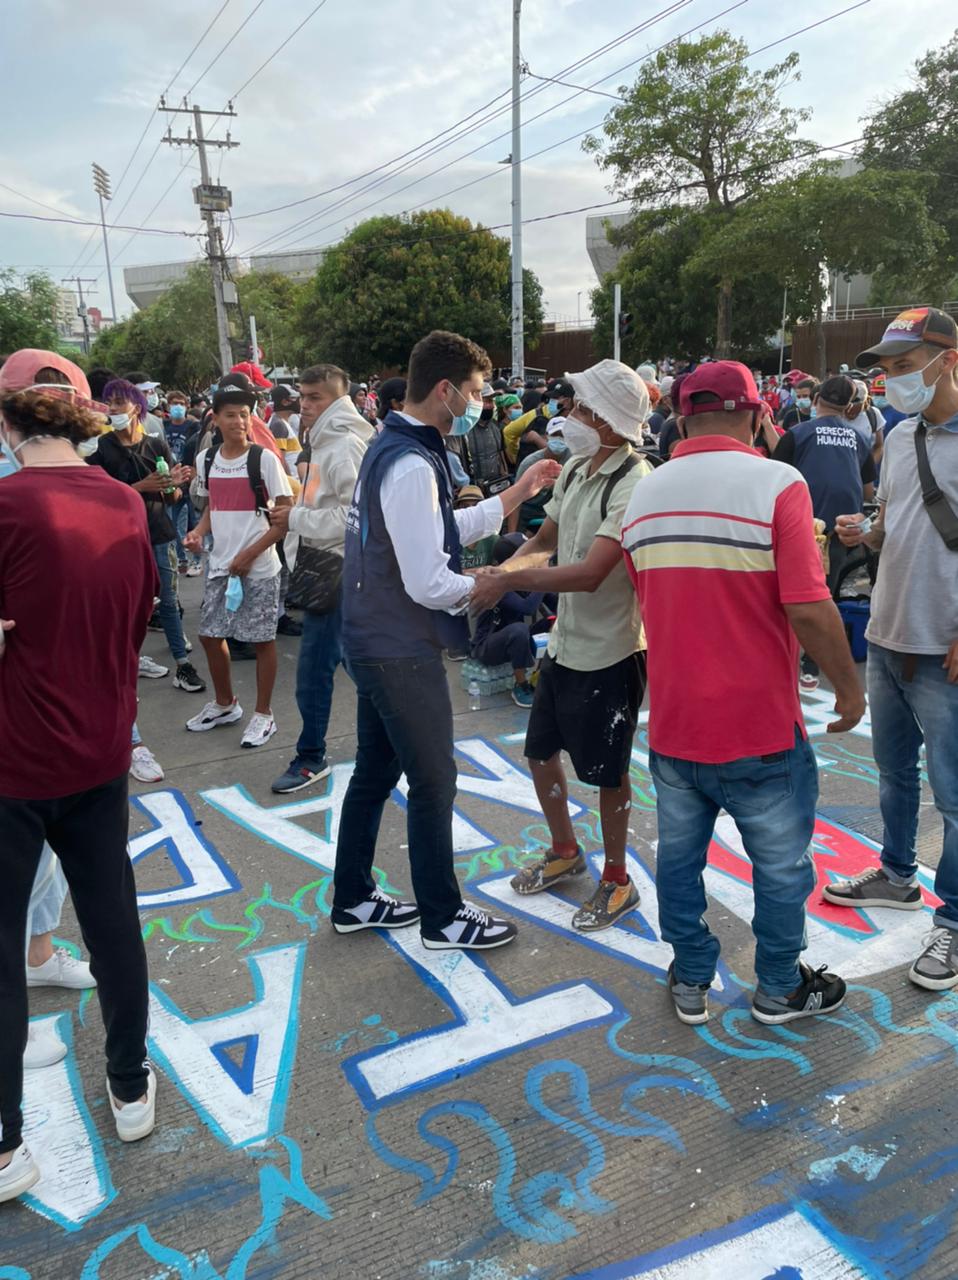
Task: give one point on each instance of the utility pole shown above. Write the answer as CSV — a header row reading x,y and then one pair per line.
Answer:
x,y
79,282
616,327
101,185
518,336
212,199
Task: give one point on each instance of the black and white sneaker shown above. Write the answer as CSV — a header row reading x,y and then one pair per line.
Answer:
x,y
213,715
186,678
378,911
819,992
873,889
470,930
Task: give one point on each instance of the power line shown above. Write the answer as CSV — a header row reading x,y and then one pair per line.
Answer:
x,y
85,222
279,48
255,9
575,136
479,110
23,196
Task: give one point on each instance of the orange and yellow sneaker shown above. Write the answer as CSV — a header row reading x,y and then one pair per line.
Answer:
x,y
609,903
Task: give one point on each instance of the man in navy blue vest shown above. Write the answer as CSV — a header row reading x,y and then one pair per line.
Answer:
x,y
405,599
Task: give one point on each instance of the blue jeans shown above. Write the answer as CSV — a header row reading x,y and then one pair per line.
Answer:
x,y
181,515
905,713
772,801
403,725
165,555
320,653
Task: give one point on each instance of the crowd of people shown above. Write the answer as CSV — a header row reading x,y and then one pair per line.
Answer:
x,y
681,530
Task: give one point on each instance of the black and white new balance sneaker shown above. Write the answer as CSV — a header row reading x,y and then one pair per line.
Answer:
x,y
819,992
471,930
378,911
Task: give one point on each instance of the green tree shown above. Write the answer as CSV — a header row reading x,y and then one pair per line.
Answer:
x,y
699,129
672,303
853,224
175,340
394,278
916,133
28,309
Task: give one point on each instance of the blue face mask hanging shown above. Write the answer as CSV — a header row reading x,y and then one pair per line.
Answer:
x,y
463,423
234,593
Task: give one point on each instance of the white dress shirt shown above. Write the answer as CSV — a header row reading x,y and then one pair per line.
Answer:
x,y
409,497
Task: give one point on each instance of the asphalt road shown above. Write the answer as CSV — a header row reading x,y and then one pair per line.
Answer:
x,y
357,1107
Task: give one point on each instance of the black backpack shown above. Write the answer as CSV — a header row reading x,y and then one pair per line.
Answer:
x,y
631,461
254,470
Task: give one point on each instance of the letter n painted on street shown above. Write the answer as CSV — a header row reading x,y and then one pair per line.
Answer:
x,y
488,1023
235,1067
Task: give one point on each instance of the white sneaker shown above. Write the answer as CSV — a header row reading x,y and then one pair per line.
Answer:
x,y
135,1120
144,766
61,970
213,715
44,1049
19,1175
259,730
194,571
150,670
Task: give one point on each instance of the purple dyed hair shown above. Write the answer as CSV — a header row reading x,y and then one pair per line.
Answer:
x,y
120,387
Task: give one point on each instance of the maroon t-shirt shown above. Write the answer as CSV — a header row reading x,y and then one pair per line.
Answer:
x,y
78,577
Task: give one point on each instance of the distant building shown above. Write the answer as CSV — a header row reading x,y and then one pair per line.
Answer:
x,y
145,284
605,257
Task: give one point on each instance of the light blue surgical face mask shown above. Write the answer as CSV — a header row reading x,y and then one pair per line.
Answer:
x,y
463,423
9,462
814,411
557,445
803,403
234,593
880,402
177,412
553,407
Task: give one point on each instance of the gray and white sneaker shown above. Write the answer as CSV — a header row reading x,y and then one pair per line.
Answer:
x,y
150,670
691,1000
213,715
470,930
873,889
186,678
936,969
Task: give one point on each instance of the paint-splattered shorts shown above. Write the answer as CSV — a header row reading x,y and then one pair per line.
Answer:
x,y
255,620
591,715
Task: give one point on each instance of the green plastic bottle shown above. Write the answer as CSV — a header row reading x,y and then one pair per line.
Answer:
x,y
163,469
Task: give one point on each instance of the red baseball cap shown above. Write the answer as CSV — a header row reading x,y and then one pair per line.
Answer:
x,y
253,372
731,384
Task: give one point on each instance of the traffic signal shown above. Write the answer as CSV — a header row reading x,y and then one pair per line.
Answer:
x,y
625,324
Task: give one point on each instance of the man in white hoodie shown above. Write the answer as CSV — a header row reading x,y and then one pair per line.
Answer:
x,y
335,447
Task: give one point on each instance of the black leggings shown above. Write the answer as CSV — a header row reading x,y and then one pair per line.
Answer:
x,y
88,832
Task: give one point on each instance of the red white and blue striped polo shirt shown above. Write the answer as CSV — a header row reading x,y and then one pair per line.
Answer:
x,y
717,541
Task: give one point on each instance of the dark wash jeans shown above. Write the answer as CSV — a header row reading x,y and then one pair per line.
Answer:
x,y
88,832
320,653
403,726
772,802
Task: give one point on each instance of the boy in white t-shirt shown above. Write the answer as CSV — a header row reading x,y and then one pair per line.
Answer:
x,y
241,481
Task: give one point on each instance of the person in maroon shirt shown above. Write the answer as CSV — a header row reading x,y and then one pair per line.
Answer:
x,y
77,580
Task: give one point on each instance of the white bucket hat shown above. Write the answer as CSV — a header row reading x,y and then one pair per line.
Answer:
x,y
616,394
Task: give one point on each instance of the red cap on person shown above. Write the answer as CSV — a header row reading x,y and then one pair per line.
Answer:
x,y
729,382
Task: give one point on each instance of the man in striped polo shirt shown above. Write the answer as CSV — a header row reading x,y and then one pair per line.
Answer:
x,y
722,552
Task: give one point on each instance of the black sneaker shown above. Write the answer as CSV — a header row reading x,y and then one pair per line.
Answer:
x,y
820,992
378,911
300,774
470,930
186,678
241,650
936,969
288,626
690,999
154,623
873,889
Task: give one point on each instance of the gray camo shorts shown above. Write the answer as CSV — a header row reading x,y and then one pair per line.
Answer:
x,y
255,620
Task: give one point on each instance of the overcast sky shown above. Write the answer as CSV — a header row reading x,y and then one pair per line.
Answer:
x,y
364,82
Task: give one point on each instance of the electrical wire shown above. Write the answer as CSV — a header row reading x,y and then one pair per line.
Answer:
x,y
86,222
205,72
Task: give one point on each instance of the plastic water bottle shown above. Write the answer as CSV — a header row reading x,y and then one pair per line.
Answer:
x,y
163,469
475,698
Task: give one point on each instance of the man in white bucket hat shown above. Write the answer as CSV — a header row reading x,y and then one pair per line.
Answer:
x,y
592,681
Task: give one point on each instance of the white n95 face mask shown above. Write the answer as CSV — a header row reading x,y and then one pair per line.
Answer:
x,y
583,441
909,393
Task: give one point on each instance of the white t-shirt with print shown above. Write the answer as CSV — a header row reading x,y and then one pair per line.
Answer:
x,y
233,516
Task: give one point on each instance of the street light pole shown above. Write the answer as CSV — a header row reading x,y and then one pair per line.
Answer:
x,y
518,337
101,185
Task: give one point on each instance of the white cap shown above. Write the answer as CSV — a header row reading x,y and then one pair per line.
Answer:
x,y
147,386
647,372
616,394
665,386
555,425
